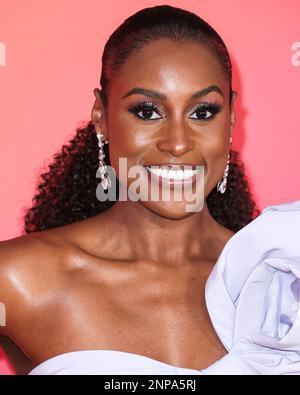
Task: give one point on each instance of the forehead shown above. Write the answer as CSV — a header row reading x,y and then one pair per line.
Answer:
x,y
174,68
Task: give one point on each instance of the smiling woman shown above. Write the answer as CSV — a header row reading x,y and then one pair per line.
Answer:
x,y
120,286
157,47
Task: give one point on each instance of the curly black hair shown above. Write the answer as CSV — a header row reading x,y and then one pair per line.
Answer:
x,y
66,192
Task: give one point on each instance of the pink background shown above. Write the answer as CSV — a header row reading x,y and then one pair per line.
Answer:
x,y
50,60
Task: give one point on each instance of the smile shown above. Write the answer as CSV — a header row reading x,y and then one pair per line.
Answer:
x,y
179,175
172,175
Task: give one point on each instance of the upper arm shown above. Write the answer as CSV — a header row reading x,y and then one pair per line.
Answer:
x,y
24,260
6,286
15,255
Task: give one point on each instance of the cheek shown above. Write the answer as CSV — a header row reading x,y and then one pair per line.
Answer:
x,y
124,133
215,150
127,144
128,139
126,148
217,144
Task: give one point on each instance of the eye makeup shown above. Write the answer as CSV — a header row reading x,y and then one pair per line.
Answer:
x,y
147,106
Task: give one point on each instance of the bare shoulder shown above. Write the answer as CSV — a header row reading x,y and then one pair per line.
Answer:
x,y
30,266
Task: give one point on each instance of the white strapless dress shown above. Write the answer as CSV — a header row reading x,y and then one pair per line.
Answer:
x,y
253,299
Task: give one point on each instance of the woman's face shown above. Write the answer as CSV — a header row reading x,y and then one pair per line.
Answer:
x,y
173,127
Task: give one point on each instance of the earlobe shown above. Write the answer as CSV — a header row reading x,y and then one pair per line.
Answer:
x,y
234,96
96,116
97,111
97,94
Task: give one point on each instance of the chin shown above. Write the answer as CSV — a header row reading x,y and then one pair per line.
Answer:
x,y
170,210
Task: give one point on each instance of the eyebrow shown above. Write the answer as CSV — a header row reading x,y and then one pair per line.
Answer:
x,y
161,96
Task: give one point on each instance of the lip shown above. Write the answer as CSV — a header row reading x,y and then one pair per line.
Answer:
x,y
165,181
173,165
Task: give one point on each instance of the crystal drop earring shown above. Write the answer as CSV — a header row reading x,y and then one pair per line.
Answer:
x,y
105,180
221,186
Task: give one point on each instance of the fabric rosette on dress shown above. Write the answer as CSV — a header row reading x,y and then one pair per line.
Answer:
x,y
253,296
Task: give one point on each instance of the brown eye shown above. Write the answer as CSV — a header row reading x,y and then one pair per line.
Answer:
x,y
146,109
205,116
146,113
207,111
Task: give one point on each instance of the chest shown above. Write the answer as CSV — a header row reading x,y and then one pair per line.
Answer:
x,y
158,314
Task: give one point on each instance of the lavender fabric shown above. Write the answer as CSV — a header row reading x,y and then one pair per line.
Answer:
x,y
252,296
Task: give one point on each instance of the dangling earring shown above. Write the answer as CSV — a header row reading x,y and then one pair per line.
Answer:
x,y
221,186
105,180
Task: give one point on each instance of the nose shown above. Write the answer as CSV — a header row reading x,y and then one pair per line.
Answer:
x,y
176,141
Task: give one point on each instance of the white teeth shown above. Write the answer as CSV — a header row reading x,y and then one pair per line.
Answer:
x,y
173,174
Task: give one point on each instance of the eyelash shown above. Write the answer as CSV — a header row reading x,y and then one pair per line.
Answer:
x,y
213,107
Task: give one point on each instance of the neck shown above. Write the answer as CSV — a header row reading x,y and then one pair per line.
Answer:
x,y
147,235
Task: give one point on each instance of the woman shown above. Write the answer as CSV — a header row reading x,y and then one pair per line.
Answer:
x,y
118,286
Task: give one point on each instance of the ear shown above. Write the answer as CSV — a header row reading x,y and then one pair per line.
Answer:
x,y
98,115
232,115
